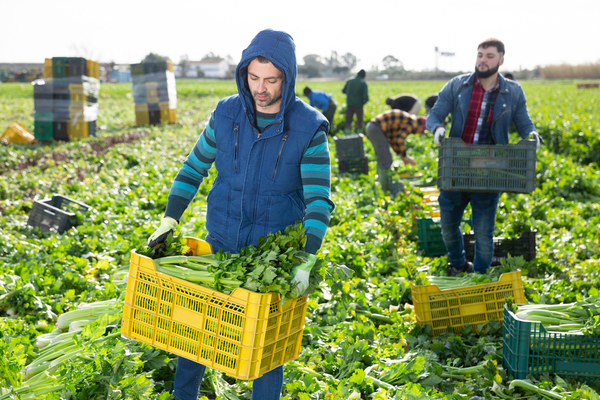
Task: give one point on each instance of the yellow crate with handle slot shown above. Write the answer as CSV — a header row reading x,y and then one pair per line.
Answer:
x,y
452,309
16,133
243,334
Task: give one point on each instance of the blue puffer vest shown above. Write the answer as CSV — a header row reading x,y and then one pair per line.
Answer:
x,y
258,188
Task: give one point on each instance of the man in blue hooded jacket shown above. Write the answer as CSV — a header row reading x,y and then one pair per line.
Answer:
x,y
273,169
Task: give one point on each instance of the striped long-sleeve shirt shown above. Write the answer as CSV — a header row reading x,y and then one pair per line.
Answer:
x,y
315,170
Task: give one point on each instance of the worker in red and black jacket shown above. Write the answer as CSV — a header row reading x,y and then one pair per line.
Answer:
x,y
390,129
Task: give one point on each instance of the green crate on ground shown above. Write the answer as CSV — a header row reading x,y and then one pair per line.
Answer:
x,y
349,147
429,232
529,349
355,166
43,125
486,168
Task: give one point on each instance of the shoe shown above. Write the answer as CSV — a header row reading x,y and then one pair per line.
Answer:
x,y
453,271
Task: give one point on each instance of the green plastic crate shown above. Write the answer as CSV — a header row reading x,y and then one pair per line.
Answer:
x,y
486,168
429,232
354,166
137,69
528,349
59,67
349,147
43,125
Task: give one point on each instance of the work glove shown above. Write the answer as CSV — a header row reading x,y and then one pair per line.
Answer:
x,y
538,139
167,225
301,275
438,135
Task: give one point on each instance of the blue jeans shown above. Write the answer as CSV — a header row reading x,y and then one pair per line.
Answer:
x,y
483,206
188,377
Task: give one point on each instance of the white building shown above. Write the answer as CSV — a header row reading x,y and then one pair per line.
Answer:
x,y
212,68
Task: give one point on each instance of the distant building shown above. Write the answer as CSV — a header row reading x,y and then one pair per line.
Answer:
x,y
207,68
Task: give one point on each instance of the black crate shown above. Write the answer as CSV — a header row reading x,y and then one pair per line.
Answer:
x,y
349,147
356,166
137,69
42,97
61,101
154,117
151,68
56,214
60,130
524,246
153,107
77,66
92,128
396,187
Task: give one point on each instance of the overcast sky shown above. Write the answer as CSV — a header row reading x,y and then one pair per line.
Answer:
x,y
535,32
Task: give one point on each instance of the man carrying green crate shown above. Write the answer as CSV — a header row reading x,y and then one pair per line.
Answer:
x,y
482,106
273,169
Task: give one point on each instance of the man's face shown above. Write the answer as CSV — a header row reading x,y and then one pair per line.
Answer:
x,y
488,62
265,83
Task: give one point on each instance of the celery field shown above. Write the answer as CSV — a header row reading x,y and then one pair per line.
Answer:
x,y
361,339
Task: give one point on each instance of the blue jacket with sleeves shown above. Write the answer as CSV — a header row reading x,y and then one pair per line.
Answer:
x,y
320,99
258,188
454,99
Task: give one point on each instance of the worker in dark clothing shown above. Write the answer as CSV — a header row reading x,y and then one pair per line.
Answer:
x,y
430,102
405,102
357,95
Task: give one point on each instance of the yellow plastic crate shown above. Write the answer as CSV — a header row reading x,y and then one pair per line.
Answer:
x,y
243,334
473,305
47,68
77,130
16,133
173,115
141,114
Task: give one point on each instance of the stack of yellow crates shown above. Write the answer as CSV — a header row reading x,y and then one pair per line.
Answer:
x,y
154,92
66,101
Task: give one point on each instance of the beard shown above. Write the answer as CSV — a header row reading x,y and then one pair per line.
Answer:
x,y
268,101
486,73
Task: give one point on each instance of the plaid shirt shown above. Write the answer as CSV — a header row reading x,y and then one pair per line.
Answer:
x,y
397,124
478,126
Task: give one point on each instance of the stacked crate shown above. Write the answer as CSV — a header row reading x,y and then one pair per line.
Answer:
x,y
154,93
350,153
66,101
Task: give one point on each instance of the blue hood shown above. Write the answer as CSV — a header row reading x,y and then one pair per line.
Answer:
x,y
280,49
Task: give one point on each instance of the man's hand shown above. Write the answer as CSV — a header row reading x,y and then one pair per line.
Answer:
x,y
408,160
167,225
538,139
438,135
301,275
